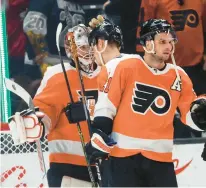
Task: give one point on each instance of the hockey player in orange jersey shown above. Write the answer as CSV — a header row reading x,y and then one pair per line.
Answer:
x,y
136,105
67,161
189,21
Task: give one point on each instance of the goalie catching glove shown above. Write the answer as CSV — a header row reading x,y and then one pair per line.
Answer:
x,y
26,126
99,146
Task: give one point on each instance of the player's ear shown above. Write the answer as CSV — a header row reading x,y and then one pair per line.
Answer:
x,y
100,44
148,45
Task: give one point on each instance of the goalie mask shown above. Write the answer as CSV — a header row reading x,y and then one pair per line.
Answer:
x,y
84,51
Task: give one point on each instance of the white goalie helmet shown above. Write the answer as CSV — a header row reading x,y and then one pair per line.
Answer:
x,y
84,51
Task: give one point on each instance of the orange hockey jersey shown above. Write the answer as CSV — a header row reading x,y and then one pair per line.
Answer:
x,y
52,96
188,21
142,101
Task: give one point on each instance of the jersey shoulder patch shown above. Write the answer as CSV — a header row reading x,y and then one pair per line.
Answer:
x,y
51,72
179,69
111,65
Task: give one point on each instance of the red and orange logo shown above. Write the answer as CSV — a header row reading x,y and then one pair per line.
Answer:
x,y
178,169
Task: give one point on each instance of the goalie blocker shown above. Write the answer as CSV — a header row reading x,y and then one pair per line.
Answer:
x,y
26,126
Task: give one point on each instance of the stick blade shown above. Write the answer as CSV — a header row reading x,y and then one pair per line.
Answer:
x,y
59,29
18,90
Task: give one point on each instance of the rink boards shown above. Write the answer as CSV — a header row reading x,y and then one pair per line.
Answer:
x,y
23,169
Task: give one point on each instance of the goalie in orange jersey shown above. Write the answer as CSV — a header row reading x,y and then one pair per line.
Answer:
x,y
68,167
137,104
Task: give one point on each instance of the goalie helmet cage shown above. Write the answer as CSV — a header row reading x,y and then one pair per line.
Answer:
x,y
18,163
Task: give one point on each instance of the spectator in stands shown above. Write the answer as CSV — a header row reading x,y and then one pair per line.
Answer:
x,y
16,38
40,25
125,14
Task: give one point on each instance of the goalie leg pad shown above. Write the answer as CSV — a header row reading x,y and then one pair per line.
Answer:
x,y
72,182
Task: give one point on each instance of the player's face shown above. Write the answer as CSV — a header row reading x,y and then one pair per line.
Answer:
x,y
163,46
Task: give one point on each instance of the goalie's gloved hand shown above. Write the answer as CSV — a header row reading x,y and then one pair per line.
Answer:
x,y
198,112
204,153
99,146
26,126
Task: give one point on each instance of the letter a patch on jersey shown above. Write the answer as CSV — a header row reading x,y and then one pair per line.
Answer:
x,y
147,97
177,85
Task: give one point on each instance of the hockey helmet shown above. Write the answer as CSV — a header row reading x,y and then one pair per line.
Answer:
x,y
107,31
154,26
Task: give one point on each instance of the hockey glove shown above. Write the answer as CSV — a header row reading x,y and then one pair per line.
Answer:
x,y
204,153
99,146
198,112
25,126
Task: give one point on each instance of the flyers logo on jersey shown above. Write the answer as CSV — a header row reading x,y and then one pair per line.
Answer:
x,y
184,17
89,94
91,97
147,97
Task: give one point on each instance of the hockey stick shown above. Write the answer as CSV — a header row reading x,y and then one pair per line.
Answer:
x,y
76,60
94,184
23,94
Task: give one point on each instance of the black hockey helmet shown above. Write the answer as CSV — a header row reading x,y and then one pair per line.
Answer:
x,y
154,26
107,31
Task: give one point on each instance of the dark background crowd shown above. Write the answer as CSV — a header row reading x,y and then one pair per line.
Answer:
x,y
27,63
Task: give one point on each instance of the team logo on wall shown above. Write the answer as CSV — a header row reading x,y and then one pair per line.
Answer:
x,y
181,18
178,168
147,97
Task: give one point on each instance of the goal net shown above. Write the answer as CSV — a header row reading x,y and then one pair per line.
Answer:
x,y
19,164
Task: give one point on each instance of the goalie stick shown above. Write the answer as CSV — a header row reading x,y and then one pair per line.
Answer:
x,y
23,94
94,184
76,60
